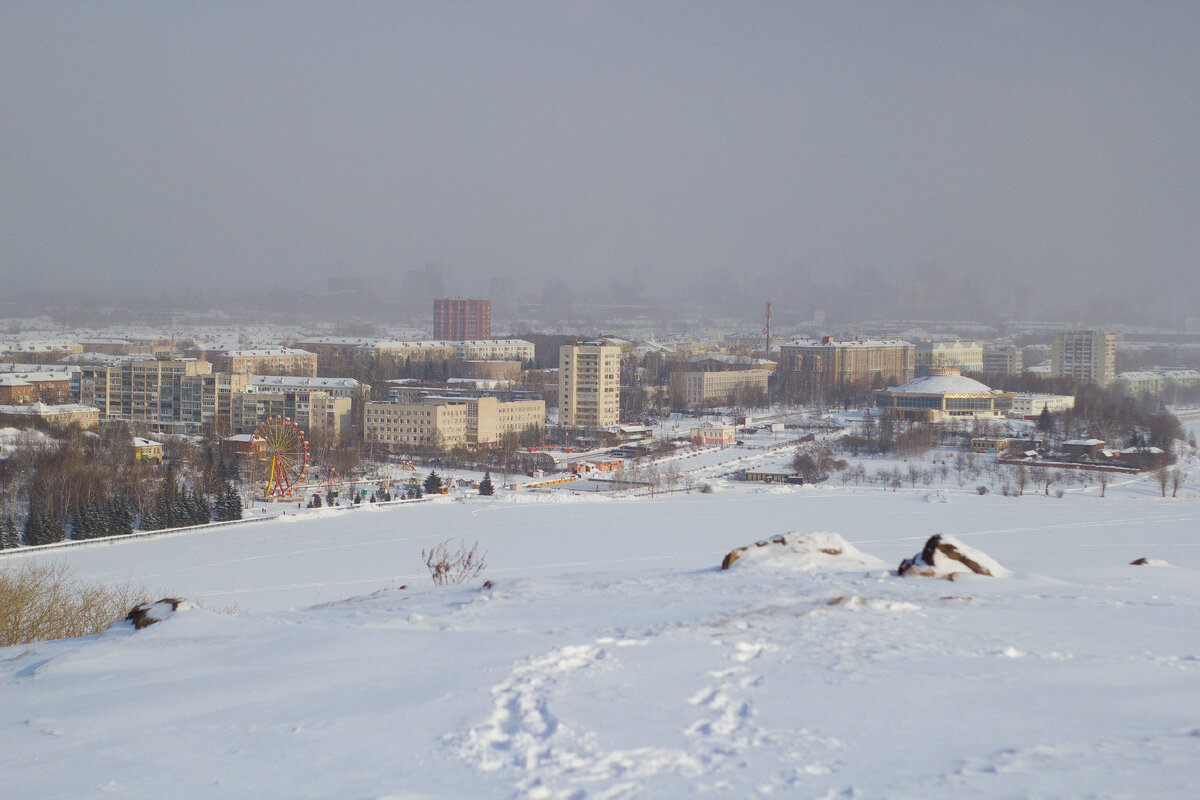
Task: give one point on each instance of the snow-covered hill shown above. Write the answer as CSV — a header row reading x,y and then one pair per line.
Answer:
x,y
610,657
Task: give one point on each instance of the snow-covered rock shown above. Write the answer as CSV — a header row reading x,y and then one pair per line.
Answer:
x,y
147,614
946,556
811,552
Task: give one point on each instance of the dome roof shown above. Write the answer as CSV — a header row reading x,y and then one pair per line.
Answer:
x,y
946,383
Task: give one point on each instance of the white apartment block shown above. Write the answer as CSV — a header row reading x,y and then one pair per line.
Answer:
x,y
449,421
1025,404
415,424
589,385
493,350
1089,356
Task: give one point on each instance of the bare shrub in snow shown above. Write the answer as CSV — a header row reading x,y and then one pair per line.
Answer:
x,y
981,489
44,601
447,566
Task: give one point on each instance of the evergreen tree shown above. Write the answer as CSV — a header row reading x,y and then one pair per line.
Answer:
x,y
433,482
8,534
201,515
119,519
32,534
42,528
228,505
56,531
329,497
485,486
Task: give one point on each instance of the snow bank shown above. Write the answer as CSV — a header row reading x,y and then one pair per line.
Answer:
x,y
816,551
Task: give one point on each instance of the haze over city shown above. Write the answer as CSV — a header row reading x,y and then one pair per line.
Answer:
x,y
848,159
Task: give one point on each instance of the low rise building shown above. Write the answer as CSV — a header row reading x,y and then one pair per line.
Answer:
x,y
713,434
62,416
19,388
239,445
1031,405
146,451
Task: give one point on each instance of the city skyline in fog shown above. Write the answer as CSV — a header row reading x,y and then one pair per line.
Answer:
x,y
911,159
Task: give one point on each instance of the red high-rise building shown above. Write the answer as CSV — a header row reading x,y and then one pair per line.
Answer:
x,y
462,320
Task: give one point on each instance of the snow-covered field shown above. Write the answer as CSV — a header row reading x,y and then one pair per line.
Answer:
x,y
610,657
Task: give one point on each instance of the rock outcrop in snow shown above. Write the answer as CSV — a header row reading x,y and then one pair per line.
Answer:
x,y
147,614
813,551
946,556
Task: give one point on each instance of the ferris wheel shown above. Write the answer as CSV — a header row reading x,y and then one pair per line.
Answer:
x,y
283,457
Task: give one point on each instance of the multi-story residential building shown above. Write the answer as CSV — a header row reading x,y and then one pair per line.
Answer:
x,y
1181,378
311,411
261,361
37,351
1002,359
206,400
297,387
490,419
429,423
721,387
828,365
1088,356
139,388
337,353
458,320
589,385
505,371
449,421
966,356
493,350
1139,384
272,361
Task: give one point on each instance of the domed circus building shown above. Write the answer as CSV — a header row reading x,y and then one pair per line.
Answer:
x,y
943,394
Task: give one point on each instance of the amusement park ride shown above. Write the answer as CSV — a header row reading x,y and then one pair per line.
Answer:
x,y
283,458
284,466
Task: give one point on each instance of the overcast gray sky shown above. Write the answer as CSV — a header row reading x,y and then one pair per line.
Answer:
x,y
1054,145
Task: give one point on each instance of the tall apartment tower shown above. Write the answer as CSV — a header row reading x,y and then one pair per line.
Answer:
x,y
589,385
1084,355
462,320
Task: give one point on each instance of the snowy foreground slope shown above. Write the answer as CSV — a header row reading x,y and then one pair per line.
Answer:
x,y
610,658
